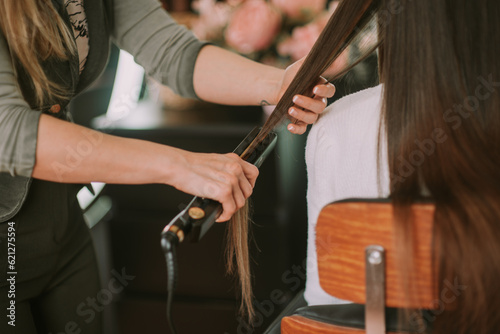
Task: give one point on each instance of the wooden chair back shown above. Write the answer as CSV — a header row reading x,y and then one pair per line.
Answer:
x,y
346,228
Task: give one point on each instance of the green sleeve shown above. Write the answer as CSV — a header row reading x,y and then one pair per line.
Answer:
x,y
165,49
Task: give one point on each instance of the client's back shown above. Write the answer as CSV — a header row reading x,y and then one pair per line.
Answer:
x,y
432,129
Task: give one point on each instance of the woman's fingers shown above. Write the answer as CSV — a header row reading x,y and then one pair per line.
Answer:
x,y
225,178
324,90
245,173
229,206
297,128
311,106
246,187
307,109
242,177
251,173
301,115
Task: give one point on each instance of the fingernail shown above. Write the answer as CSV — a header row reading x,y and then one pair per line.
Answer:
x,y
295,99
291,127
292,112
315,90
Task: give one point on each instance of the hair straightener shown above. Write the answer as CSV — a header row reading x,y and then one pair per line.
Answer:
x,y
200,214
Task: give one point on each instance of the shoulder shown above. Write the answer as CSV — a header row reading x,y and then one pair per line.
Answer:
x,y
355,105
342,150
349,116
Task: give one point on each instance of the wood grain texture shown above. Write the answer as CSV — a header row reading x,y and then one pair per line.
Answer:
x,y
343,232
296,324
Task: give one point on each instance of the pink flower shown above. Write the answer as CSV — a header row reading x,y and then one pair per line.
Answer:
x,y
253,26
212,20
234,3
301,41
303,37
300,9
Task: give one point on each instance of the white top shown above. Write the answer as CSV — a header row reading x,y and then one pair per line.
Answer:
x,y
341,157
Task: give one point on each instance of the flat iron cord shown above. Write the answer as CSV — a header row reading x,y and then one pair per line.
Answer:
x,y
169,244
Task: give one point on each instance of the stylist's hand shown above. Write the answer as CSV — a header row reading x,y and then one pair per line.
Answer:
x,y
225,178
305,109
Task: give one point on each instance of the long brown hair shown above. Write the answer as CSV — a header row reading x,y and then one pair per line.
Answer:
x,y
441,114
341,30
35,32
442,119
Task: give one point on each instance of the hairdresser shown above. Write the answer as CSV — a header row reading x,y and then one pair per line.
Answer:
x,y
50,51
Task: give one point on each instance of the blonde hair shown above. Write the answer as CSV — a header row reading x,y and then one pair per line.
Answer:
x,y
35,32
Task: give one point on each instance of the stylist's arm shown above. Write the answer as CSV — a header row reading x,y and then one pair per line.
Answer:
x,y
221,177
224,77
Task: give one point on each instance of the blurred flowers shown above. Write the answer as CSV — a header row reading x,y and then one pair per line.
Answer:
x,y
303,38
300,9
212,19
253,26
272,31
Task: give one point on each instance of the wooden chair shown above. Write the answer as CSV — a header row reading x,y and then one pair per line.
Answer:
x,y
356,262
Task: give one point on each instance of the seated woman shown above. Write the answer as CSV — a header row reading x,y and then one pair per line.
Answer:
x,y
431,127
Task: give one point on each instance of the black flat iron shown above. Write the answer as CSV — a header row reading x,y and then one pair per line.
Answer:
x,y
200,214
